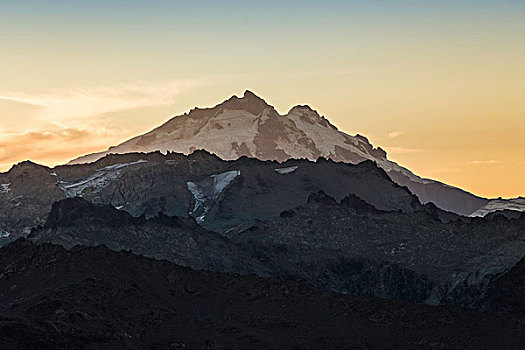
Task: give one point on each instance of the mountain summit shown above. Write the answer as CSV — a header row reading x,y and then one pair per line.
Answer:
x,y
249,126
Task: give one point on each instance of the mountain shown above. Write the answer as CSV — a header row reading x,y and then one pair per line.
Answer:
x,y
94,298
224,196
347,246
248,126
286,252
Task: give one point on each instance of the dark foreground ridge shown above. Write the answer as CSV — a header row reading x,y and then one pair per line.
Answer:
x,y
92,297
348,246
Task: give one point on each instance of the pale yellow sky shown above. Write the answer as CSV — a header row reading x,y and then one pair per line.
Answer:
x,y
441,87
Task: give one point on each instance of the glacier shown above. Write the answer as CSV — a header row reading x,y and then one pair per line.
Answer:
x,y
208,190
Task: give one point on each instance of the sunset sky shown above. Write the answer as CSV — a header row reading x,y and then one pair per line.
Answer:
x,y
439,84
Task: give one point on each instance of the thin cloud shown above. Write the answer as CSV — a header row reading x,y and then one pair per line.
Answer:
x,y
69,123
33,145
483,162
71,108
394,134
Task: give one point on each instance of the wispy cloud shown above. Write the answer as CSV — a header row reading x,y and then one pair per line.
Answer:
x,y
67,107
74,122
394,134
483,162
45,145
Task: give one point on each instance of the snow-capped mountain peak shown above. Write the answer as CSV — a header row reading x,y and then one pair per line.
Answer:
x,y
249,126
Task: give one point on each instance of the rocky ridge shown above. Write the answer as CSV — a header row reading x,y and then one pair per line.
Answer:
x,y
349,246
180,185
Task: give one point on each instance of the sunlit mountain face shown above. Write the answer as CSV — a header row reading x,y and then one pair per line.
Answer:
x,y
365,192
249,126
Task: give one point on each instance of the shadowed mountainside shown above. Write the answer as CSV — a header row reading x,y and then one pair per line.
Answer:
x,y
348,246
87,298
224,196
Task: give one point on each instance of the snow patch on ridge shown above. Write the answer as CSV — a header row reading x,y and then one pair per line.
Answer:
x,y
208,190
516,204
4,234
288,170
100,179
4,188
326,140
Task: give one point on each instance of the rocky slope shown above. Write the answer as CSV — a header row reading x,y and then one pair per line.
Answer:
x,y
177,239
349,246
93,298
224,196
453,262
248,126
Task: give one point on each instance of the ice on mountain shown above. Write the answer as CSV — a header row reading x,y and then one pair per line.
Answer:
x,y
4,234
208,190
122,165
199,200
288,170
15,198
100,179
221,181
4,188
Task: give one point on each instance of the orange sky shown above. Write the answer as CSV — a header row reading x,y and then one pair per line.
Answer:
x,y
440,87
